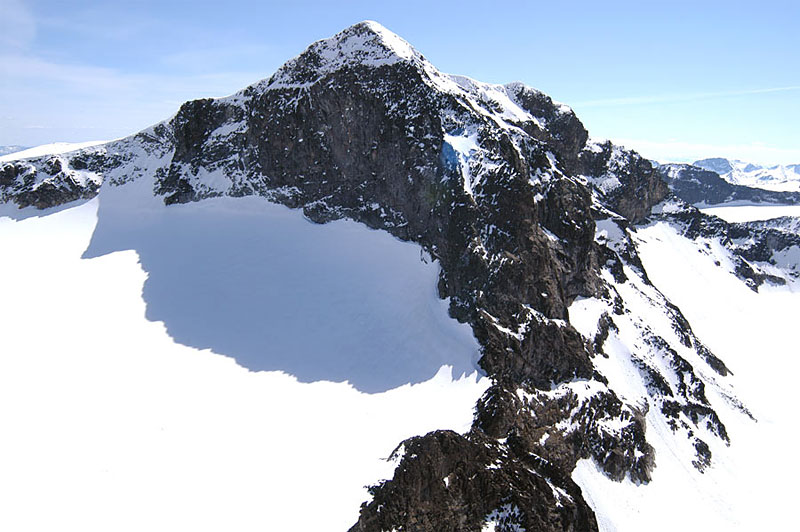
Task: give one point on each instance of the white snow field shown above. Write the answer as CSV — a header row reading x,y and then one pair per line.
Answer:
x,y
749,485
49,149
256,281
745,212
108,423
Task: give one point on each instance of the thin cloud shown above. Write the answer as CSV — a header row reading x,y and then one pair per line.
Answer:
x,y
17,25
30,73
204,58
107,100
94,24
671,98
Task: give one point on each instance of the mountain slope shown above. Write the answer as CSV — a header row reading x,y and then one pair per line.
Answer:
x,y
533,226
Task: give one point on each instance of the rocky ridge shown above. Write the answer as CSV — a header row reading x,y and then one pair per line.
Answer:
x,y
532,224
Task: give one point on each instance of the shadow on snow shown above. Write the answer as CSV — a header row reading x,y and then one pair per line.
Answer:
x,y
260,283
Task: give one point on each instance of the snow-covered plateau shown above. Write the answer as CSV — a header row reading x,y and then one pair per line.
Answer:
x,y
20,152
110,424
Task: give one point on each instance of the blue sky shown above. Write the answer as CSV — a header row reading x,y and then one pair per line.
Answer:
x,y
677,80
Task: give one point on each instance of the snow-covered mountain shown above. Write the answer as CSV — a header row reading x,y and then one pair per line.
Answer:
x,y
558,261
784,178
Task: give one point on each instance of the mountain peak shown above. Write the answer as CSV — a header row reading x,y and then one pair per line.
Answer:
x,y
366,43
392,42
369,42
719,165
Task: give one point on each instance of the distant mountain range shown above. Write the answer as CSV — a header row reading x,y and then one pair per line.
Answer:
x,y
698,184
778,177
5,150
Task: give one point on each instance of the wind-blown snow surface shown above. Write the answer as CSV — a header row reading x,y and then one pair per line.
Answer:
x,y
109,424
49,149
750,485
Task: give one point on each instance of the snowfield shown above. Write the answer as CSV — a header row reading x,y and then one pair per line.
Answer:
x,y
49,149
735,213
110,424
749,484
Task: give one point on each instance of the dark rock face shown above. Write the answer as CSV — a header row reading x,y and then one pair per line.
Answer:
x,y
499,185
448,482
564,132
48,185
784,224
622,454
640,185
693,184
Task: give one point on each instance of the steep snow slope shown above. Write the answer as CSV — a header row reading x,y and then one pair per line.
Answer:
x,y
111,425
754,333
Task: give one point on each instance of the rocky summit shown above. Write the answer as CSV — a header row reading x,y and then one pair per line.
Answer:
x,y
533,225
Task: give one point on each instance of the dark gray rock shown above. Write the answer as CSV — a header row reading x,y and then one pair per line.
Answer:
x,y
48,183
640,185
448,482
